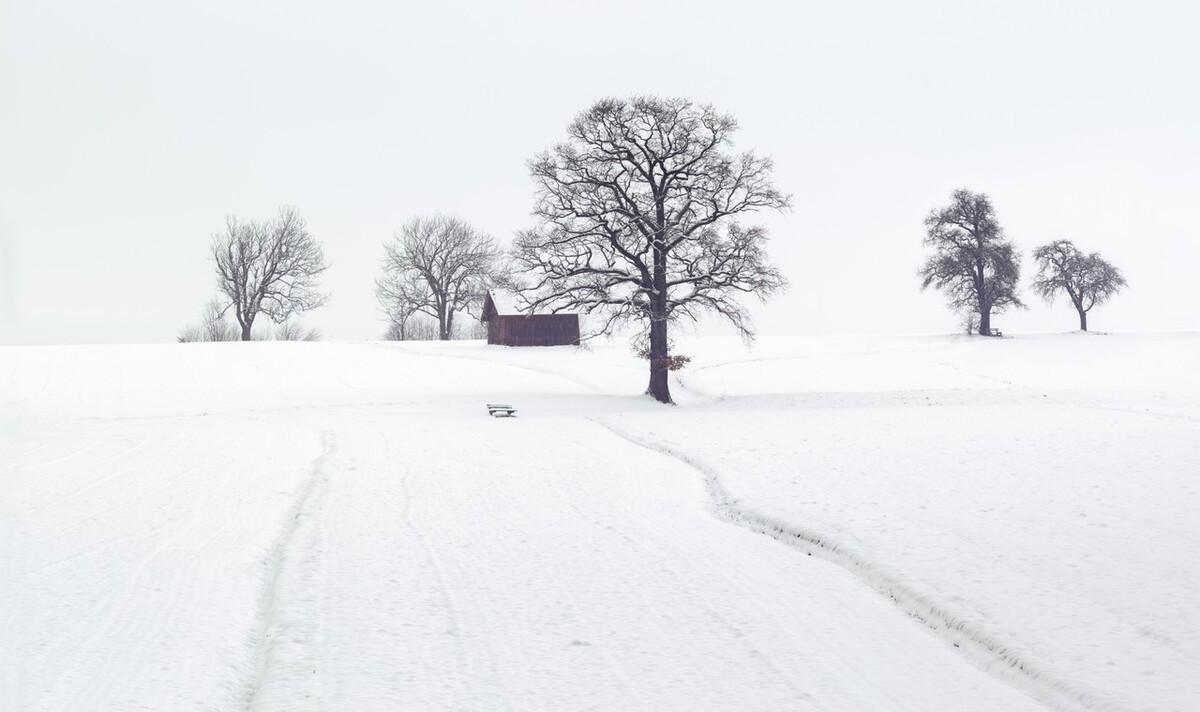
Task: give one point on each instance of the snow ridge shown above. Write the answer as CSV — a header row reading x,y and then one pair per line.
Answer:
x,y
990,654
284,647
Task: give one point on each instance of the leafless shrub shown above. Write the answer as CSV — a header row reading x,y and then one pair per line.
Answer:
x,y
970,321
293,331
416,328
212,327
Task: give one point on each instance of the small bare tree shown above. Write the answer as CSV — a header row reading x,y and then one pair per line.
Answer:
x,y
972,262
213,326
638,213
402,297
1086,279
439,267
268,268
970,321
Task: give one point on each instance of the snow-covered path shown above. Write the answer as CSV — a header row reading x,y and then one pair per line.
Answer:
x,y
307,527
549,566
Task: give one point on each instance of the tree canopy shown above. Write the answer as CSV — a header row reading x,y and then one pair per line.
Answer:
x,y
638,222
437,266
1086,279
268,268
972,262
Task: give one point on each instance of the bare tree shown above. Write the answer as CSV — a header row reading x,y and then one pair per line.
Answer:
x,y
970,321
1087,279
972,262
268,268
402,296
638,212
438,266
213,326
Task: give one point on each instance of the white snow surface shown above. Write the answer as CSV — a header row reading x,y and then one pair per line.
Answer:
x,y
857,524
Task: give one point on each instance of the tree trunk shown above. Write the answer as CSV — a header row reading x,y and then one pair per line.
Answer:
x,y
246,330
443,329
985,322
659,386
1082,320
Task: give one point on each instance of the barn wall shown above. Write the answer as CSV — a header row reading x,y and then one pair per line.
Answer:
x,y
534,330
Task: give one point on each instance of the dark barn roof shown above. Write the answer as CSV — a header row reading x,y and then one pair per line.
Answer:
x,y
508,325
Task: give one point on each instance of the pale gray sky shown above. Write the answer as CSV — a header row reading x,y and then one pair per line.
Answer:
x,y
130,129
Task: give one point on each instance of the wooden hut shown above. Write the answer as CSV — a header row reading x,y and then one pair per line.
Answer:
x,y
509,326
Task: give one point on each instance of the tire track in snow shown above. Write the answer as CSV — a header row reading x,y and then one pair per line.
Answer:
x,y
454,623
985,651
284,653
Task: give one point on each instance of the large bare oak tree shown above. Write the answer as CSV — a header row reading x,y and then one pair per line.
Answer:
x,y
268,268
638,217
437,266
1086,279
971,262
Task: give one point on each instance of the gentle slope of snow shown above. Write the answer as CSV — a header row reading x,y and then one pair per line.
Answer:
x,y
996,525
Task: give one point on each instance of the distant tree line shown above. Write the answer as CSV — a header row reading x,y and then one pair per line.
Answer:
x,y
978,269
639,222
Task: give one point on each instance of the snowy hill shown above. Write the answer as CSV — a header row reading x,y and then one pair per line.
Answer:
x,y
857,524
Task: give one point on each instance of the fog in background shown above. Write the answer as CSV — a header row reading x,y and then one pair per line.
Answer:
x,y
129,130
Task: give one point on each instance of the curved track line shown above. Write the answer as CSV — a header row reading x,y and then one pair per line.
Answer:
x,y
986,652
272,633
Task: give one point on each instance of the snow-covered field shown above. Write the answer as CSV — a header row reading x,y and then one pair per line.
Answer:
x,y
867,524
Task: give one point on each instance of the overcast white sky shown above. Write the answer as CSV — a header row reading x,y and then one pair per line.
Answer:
x,y
129,130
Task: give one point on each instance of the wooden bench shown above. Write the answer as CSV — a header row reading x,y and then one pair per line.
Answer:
x,y
500,410
995,332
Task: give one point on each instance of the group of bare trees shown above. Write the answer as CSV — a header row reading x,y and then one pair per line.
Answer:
x,y
638,222
979,269
435,268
